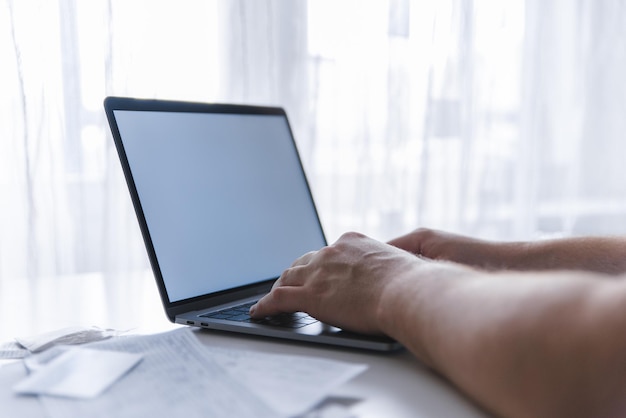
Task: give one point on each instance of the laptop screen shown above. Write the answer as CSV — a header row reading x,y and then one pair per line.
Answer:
x,y
224,197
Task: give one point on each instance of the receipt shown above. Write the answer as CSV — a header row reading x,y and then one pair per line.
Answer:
x,y
78,373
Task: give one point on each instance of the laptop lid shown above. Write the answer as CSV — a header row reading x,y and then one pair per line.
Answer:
x,y
220,194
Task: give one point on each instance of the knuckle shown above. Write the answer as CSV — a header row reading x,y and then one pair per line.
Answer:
x,y
328,256
351,235
325,252
305,257
284,278
278,295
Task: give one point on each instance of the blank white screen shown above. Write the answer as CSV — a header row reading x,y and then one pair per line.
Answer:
x,y
223,195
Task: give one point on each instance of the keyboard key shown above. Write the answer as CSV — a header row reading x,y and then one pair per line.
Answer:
x,y
240,313
218,315
240,317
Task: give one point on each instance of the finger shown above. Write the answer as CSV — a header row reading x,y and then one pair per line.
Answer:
x,y
282,299
293,276
414,241
405,242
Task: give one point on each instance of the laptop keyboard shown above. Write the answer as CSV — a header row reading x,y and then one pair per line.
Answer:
x,y
240,313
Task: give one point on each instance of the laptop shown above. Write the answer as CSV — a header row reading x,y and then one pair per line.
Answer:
x,y
224,207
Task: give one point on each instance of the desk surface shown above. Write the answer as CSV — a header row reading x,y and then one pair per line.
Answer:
x,y
395,384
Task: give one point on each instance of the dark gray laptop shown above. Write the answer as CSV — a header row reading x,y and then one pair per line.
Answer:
x,y
224,207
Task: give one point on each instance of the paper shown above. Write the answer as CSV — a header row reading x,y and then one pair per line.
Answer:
x,y
178,376
12,350
69,335
79,373
175,378
38,361
289,384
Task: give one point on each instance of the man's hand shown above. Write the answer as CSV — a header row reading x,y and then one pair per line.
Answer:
x,y
540,344
342,284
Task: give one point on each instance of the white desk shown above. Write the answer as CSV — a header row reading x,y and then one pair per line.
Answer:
x,y
395,385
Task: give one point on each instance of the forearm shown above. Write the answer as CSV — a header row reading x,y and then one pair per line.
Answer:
x,y
520,345
598,254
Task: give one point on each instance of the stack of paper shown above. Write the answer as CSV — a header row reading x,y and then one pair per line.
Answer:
x,y
171,374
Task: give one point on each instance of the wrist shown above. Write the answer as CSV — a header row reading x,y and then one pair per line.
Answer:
x,y
411,303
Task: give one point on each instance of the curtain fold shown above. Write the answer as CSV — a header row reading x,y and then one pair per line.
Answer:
x,y
502,119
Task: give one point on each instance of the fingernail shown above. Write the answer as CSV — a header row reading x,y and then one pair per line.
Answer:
x,y
252,309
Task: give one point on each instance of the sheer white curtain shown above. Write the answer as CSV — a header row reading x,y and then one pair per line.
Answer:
x,y
499,119
503,119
